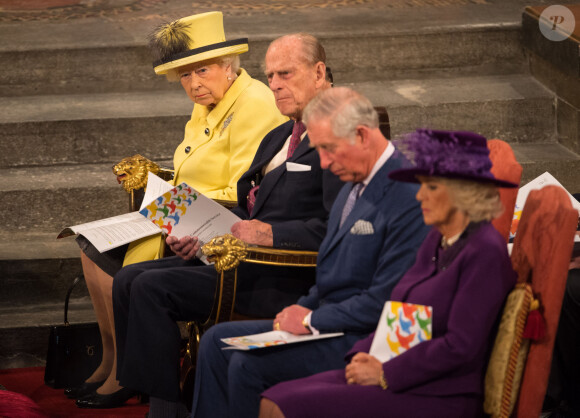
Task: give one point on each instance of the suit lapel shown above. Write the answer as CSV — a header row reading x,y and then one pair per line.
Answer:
x,y
373,193
270,180
275,144
334,219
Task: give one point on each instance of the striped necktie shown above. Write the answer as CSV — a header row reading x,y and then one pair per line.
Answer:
x,y
350,201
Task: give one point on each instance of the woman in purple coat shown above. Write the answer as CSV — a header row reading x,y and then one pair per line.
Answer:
x,y
462,271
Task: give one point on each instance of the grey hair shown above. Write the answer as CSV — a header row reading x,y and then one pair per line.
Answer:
x,y
345,108
232,59
480,201
312,51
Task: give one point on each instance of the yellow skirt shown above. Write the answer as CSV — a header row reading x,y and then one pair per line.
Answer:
x,y
144,249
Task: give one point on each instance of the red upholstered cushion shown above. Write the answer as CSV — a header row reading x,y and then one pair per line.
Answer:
x,y
505,167
542,249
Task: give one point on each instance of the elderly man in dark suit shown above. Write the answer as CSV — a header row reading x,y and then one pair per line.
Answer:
x,y
374,230
284,199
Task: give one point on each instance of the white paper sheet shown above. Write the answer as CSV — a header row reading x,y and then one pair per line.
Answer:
x,y
271,339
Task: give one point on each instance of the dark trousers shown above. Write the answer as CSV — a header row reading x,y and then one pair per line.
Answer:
x,y
564,383
148,299
228,383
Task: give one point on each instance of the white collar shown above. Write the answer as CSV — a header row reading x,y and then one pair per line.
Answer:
x,y
378,165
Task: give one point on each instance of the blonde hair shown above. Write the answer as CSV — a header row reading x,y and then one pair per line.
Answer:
x,y
480,201
232,59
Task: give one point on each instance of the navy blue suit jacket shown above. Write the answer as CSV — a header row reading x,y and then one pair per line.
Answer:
x,y
359,265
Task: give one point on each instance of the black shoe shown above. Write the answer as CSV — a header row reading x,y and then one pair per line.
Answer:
x,y
97,401
82,390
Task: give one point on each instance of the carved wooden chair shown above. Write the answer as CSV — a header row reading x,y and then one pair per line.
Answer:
x,y
540,256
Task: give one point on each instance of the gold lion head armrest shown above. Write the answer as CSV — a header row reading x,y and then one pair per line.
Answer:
x,y
225,251
228,252
132,172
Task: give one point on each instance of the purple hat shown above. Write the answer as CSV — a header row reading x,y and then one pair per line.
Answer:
x,y
450,154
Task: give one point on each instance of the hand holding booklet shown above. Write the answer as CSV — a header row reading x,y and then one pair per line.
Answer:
x,y
176,210
401,326
271,339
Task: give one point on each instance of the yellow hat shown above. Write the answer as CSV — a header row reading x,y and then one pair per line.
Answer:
x,y
192,39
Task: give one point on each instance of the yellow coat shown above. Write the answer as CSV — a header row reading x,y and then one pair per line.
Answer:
x,y
218,147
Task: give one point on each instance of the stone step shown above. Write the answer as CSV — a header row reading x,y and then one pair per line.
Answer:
x,y
121,63
91,128
24,330
99,128
515,108
48,199
36,268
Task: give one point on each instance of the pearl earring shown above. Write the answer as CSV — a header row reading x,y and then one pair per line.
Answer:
x,y
229,78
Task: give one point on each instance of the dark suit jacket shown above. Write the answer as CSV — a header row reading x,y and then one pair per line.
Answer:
x,y
467,296
357,266
296,204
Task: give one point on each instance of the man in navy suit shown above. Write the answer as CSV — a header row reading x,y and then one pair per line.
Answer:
x,y
374,230
284,199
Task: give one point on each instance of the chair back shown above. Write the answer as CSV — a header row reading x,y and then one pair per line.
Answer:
x,y
541,256
505,167
384,124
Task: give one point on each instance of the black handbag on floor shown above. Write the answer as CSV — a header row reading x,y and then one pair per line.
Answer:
x,y
74,351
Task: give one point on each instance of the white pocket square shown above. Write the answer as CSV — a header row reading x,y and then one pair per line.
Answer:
x,y
297,167
361,227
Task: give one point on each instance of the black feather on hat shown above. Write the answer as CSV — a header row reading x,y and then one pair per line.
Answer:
x,y
169,39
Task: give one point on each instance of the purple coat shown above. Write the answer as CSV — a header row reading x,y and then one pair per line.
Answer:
x,y
467,296
466,285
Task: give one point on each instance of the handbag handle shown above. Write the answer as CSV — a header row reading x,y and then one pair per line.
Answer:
x,y
69,291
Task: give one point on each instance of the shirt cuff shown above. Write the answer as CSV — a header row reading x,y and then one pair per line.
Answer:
x,y
307,320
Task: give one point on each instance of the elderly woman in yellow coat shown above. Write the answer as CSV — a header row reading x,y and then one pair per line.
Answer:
x,y
231,115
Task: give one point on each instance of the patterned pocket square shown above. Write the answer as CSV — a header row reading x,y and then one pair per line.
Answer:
x,y
361,227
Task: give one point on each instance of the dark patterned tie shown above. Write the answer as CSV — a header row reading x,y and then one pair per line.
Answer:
x,y
251,198
297,132
350,201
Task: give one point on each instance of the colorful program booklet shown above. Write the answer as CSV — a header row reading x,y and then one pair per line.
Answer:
x,y
176,210
401,326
